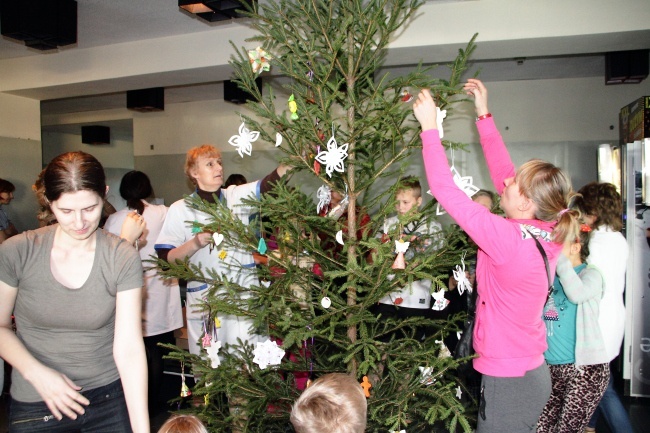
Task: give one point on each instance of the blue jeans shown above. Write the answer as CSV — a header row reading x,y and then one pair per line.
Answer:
x,y
106,413
612,409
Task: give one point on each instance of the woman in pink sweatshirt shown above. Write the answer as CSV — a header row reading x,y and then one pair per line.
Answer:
x,y
509,334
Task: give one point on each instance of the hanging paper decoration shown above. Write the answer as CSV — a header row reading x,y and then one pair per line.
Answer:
x,y
267,353
440,302
395,431
333,157
244,141
260,60
196,228
464,183
427,377
366,385
261,246
293,107
278,139
444,351
461,277
213,353
400,248
324,196
326,302
406,96
217,238
223,254
459,392
441,114
206,340
185,390
339,237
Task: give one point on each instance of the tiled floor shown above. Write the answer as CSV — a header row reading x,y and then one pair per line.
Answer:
x,y
638,408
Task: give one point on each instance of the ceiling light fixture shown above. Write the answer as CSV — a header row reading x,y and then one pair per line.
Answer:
x,y
215,10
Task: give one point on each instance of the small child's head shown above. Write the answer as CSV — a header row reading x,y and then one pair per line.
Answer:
x,y
203,167
183,424
334,403
408,195
484,198
578,249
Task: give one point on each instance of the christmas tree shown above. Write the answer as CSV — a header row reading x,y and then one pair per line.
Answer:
x,y
351,129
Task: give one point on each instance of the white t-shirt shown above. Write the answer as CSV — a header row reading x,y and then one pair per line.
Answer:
x,y
161,298
608,251
418,294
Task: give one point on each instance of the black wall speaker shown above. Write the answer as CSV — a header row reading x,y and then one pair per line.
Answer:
x,y
232,92
625,67
146,100
41,24
96,134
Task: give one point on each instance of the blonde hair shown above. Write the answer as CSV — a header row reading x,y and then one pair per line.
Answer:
x,y
181,423
550,189
193,155
334,403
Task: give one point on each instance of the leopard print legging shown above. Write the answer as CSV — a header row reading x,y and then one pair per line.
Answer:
x,y
575,395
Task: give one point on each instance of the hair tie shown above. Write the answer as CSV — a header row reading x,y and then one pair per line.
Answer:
x,y
562,212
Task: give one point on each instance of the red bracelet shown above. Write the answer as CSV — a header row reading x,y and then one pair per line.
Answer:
x,y
484,116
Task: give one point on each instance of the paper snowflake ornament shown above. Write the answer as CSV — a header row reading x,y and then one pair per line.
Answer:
x,y
459,392
213,353
401,246
244,141
440,302
465,183
333,157
260,60
267,353
324,196
441,114
461,277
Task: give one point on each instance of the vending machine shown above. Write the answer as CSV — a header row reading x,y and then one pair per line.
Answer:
x,y
634,122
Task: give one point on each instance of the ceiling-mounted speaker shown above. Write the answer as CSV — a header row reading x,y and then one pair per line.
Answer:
x,y
95,134
146,100
626,67
41,24
232,92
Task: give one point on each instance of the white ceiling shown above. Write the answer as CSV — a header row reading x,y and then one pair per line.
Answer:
x,y
102,22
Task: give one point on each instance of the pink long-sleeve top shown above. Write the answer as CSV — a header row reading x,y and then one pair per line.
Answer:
x,y
509,334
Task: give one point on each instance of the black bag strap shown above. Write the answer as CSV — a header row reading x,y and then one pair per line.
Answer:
x,y
548,269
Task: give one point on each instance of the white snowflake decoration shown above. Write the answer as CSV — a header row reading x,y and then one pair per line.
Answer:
x,y
333,157
324,195
441,114
268,353
459,392
213,353
461,277
244,141
464,183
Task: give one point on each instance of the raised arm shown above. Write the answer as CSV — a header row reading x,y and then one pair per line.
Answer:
x,y
58,392
129,354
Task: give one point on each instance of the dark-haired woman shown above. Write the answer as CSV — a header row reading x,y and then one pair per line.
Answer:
x,y
7,228
161,300
78,358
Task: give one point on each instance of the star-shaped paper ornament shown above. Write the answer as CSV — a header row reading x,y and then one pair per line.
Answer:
x,y
324,195
441,114
464,183
213,353
268,353
333,157
461,277
260,60
459,392
244,141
